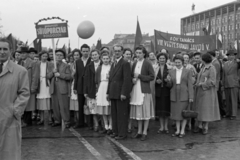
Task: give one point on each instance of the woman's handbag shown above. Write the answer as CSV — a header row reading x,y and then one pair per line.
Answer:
x,y
189,113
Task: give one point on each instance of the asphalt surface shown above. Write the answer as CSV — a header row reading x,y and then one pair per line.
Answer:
x,y
222,143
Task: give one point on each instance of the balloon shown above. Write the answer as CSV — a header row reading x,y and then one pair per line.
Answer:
x,y
85,29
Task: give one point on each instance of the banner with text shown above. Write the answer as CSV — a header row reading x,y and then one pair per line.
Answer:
x,y
56,30
175,43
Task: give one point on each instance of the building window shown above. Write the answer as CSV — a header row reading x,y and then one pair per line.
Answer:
x,y
225,28
229,27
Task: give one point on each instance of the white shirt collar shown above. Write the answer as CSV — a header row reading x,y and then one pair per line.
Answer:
x,y
179,69
118,59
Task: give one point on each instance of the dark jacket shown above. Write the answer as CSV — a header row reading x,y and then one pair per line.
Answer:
x,y
49,65
79,76
147,75
89,81
120,80
162,89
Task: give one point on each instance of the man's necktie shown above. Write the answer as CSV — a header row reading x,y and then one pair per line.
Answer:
x,y
1,67
115,63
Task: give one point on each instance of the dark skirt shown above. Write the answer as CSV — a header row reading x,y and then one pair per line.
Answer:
x,y
177,106
162,106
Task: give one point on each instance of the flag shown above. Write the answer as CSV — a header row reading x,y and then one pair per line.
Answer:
x,y
69,48
57,43
138,36
219,40
26,43
207,30
13,41
99,44
64,48
35,44
39,45
238,47
152,47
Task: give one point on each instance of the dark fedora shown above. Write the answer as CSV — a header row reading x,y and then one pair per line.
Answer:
x,y
231,52
32,50
23,49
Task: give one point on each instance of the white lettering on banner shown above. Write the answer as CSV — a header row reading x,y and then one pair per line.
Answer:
x,y
193,47
56,30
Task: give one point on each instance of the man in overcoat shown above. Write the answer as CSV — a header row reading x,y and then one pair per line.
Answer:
x,y
29,64
118,92
231,83
14,96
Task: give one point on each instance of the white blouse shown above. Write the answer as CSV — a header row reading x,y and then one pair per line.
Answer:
x,y
178,75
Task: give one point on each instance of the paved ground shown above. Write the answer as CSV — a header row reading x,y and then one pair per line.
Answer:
x,y
222,143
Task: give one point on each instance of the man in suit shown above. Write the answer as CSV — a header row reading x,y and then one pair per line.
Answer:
x,y
231,83
198,62
29,64
14,98
218,67
79,81
59,89
118,92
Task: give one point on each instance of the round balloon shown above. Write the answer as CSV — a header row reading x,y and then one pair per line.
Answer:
x,y
85,29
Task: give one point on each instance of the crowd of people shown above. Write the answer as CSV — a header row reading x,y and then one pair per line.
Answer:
x,y
109,91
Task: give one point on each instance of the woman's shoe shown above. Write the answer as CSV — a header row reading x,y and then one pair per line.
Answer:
x,y
205,131
56,124
175,134
109,132
144,137
67,125
167,131
104,131
40,123
96,129
129,130
181,135
160,131
137,136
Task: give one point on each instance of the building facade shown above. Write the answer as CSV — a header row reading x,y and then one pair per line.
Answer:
x,y
224,19
128,41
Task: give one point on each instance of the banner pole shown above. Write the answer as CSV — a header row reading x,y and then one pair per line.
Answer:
x,y
54,56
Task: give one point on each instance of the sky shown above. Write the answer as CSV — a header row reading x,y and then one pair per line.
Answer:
x,y
108,16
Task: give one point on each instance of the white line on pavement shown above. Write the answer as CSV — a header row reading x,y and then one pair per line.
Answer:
x,y
87,145
129,152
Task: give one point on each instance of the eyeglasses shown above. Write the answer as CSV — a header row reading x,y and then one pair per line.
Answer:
x,y
117,50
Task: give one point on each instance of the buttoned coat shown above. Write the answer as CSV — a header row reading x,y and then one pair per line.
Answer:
x,y
217,66
14,89
79,75
230,74
30,66
63,80
206,101
120,80
147,74
186,85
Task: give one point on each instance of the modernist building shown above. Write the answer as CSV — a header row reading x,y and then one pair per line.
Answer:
x,y
224,19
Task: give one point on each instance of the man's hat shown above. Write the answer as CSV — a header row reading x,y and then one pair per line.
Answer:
x,y
23,49
231,52
32,50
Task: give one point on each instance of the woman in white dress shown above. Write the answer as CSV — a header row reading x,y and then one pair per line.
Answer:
x,y
43,96
141,102
73,98
103,106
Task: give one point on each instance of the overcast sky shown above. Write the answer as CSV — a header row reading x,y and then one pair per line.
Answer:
x,y
109,16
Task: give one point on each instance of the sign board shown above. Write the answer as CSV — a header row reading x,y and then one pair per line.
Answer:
x,y
48,31
175,43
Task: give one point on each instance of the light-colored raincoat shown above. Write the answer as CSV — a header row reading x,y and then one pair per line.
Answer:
x,y
14,96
